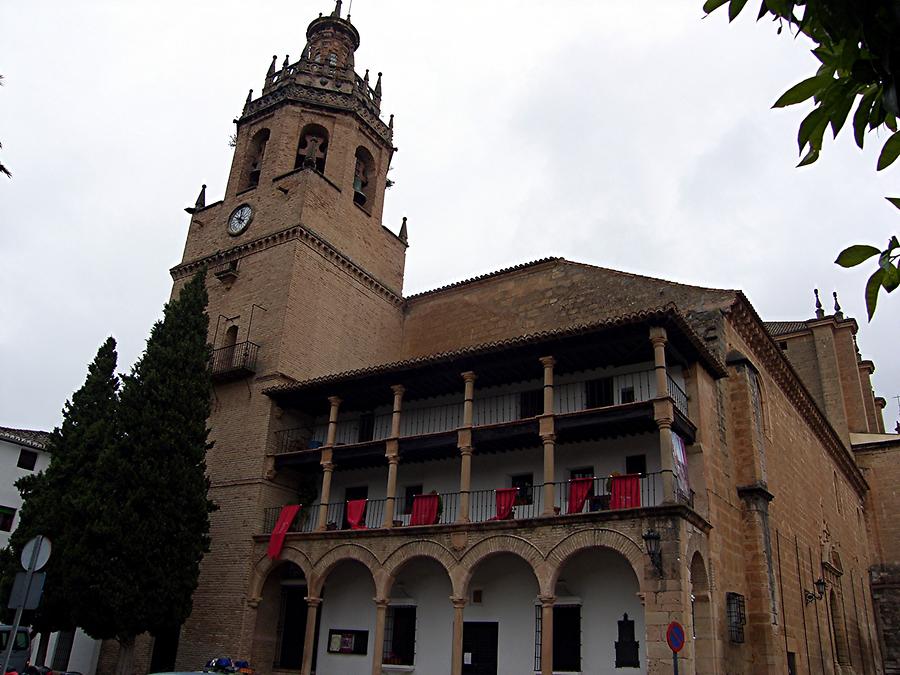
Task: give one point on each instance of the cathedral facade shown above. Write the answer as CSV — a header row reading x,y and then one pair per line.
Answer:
x,y
537,470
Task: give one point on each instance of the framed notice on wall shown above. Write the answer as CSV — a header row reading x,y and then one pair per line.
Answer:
x,y
348,641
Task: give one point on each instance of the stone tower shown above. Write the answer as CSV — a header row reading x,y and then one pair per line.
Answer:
x,y
300,266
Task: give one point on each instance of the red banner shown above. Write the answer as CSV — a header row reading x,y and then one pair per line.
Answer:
x,y
285,518
425,510
579,488
506,499
625,491
356,513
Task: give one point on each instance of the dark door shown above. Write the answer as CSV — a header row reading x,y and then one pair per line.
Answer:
x,y
479,648
165,649
292,627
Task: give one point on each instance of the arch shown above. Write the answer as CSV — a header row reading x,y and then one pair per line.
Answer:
x,y
492,546
312,148
702,621
255,157
593,538
339,554
364,177
265,566
420,548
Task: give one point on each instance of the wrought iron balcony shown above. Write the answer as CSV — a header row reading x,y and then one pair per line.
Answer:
x,y
234,362
597,495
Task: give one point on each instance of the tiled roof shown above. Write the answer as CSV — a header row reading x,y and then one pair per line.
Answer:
x,y
480,277
34,439
785,327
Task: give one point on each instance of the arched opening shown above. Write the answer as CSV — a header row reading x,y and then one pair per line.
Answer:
x,y
499,627
598,619
363,177
347,620
838,630
419,618
255,156
225,355
281,618
701,615
312,149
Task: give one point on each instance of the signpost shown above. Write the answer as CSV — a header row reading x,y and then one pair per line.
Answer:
x,y
34,556
675,638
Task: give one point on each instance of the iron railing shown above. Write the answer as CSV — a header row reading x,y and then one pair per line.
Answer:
x,y
236,359
678,395
604,494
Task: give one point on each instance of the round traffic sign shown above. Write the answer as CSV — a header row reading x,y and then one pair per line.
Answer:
x,y
39,549
675,636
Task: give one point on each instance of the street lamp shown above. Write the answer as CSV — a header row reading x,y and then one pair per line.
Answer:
x,y
820,585
651,541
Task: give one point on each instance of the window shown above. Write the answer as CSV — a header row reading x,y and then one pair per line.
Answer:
x,y
366,427
400,636
7,515
636,464
525,482
626,395
566,638
20,644
255,155
27,459
737,616
581,472
312,149
409,495
599,393
332,59
531,403
627,648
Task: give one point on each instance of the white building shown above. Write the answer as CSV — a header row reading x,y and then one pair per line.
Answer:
x,y
22,453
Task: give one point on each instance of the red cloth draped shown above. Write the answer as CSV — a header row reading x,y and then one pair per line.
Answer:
x,y
506,499
625,491
356,513
578,492
424,510
285,518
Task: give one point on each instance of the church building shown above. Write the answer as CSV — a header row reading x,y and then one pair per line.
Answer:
x,y
537,470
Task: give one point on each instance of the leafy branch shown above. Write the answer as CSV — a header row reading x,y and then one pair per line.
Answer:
x,y
858,48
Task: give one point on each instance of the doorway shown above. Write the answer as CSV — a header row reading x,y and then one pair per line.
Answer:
x,y
480,647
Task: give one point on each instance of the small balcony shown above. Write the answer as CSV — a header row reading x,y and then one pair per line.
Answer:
x,y
601,496
234,362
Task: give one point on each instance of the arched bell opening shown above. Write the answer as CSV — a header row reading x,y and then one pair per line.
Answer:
x,y
312,148
364,178
255,157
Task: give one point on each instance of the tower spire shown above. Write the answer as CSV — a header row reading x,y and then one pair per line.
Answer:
x,y
337,9
404,235
838,313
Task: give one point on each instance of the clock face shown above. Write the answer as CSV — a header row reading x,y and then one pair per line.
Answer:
x,y
240,220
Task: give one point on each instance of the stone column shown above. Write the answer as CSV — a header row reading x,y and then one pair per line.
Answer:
x,y
456,658
392,452
309,639
548,436
381,605
663,413
547,633
464,442
327,464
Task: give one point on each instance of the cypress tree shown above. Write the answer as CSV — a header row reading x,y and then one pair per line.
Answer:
x,y
151,524
57,499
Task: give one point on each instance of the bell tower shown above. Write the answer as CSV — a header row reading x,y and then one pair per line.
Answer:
x,y
303,280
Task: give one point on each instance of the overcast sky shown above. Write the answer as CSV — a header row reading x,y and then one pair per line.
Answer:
x,y
632,135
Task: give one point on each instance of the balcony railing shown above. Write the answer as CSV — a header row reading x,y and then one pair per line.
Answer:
x,y
589,495
235,361
570,397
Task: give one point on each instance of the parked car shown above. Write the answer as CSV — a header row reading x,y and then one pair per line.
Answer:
x,y
21,648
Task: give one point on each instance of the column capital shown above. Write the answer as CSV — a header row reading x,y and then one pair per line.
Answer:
x,y
398,389
548,438
547,600
547,361
466,451
658,335
664,423
469,376
253,603
313,601
335,401
327,466
393,459
458,603
382,602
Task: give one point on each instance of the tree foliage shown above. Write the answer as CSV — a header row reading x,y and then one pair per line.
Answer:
x,y
151,524
858,48
57,498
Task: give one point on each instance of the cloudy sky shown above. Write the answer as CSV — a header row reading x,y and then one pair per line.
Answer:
x,y
633,135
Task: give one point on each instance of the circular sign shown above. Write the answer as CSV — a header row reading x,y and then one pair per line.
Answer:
x,y
675,636
39,547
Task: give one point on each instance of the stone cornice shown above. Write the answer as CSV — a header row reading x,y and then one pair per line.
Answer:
x,y
751,328
295,232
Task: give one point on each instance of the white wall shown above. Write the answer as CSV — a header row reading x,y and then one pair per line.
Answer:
x,y
509,592
83,657
607,588
10,473
347,605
